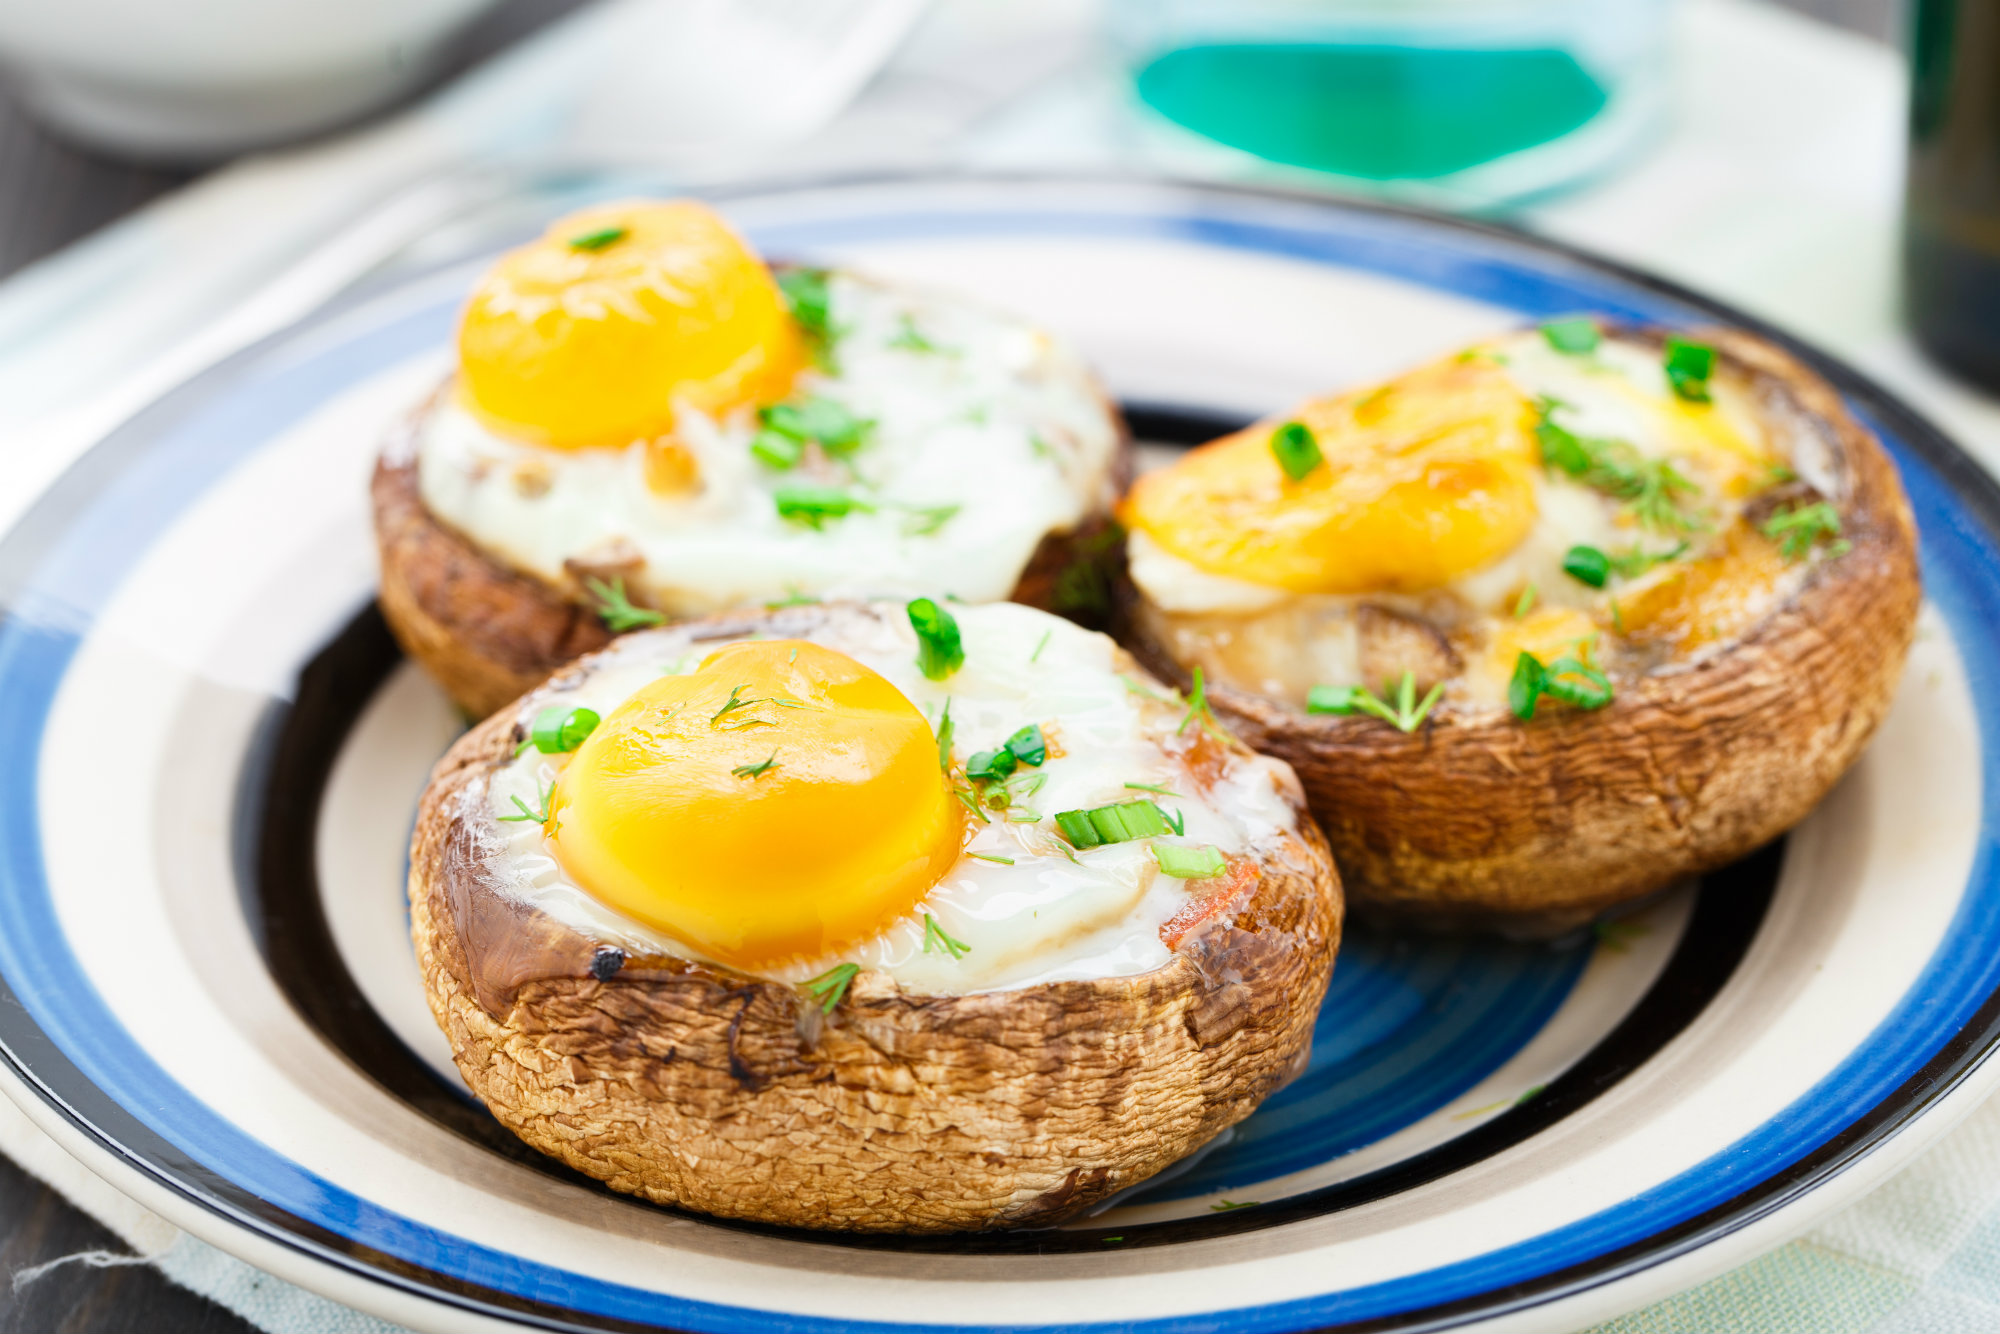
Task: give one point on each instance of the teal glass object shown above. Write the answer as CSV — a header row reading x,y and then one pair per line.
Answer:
x,y
1473,104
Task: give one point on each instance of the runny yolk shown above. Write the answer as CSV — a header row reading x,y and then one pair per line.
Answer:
x,y
1425,478
593,334
782,801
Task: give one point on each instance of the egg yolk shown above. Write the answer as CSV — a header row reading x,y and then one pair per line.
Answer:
x,y
593,334
1424,479
782,801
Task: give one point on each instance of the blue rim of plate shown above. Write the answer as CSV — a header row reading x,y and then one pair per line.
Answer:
x,y
57,1035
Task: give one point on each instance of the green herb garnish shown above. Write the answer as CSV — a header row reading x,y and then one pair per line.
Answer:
x,y
732,704
602,238
1040,646
1587,565
1118,823
539,815
991,766
777,450
557,731
1797,530
1198,710
1296,450
940,652
1525,603
1576,337
936,935
616,610
944,731
830,987
911,339
1152,787
989,857
756,770
1189,863
1566,679
1653,486
927,519
1028,744
1688,367
814,505
836,430
807,293
1406,715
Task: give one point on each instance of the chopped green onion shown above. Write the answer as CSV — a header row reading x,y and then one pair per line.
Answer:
x,y
1688,367
616,610
838,431
1587,565
1406,714
1152,787
600,239
936,935
1028,745
777,450
814,505
830,987
1573,682
940,652
557,731
806,292
1575,337
1525,689
1189,863
990,766
1118,823
1296,449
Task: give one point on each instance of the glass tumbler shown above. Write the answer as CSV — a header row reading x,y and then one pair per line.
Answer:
x,y
1467,104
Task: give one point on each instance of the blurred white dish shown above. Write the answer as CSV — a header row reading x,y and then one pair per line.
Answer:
x,y
201,79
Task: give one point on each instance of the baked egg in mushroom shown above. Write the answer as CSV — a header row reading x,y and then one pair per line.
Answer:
x,y
646,423
882,916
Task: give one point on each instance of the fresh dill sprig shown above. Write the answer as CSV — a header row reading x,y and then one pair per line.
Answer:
x,y
830,987
1803,527
616,610
1653,487
936,936
756,770
540,815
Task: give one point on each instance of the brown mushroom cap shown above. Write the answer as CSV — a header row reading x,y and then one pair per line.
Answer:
x,y
488,632
692,1085
1481,820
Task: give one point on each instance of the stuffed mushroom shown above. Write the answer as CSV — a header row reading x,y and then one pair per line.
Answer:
x,y
1547,624
869,916
646,423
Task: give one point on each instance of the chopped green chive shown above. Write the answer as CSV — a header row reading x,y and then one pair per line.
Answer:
x,y
1198,710
1526,602
777,450
557,731
940,652
1587,565
1296,450
1406,714
1575,337
806,292
911,339
1799,529
927,519
814,505
990,766
1118,823
935,935
1189,863
1152,787
1028,745
1042,645
830,987
1688,367
1566,679
838,431
602,238
756,770
616,610
989,857
944,730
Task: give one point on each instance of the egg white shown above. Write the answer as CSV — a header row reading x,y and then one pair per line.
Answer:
x,y
971,409
1052,914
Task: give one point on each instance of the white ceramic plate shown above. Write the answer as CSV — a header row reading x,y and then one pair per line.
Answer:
x,y
208,986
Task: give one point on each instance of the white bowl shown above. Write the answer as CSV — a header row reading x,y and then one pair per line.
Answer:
x,y
196,80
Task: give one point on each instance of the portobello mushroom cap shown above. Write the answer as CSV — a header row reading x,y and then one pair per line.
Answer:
x,y
487,632
693,1085
1479,820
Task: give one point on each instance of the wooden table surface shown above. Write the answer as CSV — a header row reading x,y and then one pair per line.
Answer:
x,y
51,194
